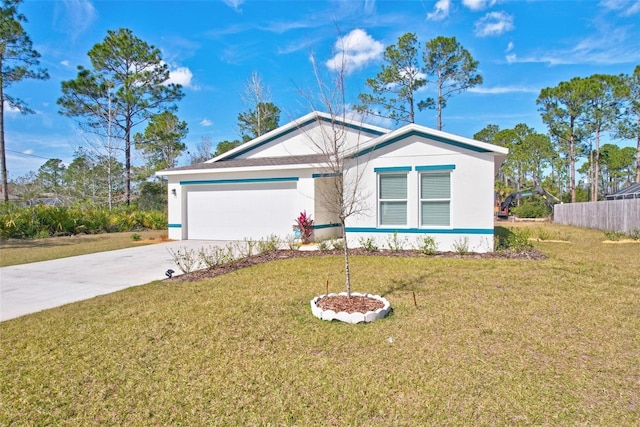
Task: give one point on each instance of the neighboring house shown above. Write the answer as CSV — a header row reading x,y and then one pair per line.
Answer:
x,y
415,181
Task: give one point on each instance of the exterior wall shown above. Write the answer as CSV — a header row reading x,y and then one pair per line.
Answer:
x,y
326,222
472,183
178,203
303,141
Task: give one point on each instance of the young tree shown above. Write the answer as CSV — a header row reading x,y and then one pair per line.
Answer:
x,y
127,85
452,70
395,86
561,108
161,143
343,196
18,61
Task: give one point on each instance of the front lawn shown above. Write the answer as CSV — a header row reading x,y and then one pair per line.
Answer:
x,y
490,342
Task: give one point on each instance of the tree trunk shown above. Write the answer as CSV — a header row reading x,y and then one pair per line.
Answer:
x,y
638,156
3,157
347,272
572,161
596,169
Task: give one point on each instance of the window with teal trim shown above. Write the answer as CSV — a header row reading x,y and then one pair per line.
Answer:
x,y
435,199
392,198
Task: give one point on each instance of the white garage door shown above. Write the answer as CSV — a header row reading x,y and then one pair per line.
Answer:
x,y
238,211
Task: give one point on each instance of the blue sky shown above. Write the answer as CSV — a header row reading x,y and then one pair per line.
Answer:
x,y
212,47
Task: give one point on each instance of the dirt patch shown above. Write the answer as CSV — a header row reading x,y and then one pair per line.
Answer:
x,y
616,242
532,254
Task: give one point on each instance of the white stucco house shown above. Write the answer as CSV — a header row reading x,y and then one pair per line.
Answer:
x,y
413,181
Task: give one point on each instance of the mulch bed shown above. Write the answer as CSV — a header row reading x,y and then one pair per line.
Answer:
x,y
532,254
353,304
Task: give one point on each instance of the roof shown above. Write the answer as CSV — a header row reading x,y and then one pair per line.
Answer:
x,y
295,125
261,161
631,192
380,138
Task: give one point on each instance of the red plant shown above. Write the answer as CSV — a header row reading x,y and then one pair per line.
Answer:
x,y
304,223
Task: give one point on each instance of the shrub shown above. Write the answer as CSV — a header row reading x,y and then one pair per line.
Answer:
x,y
395,243
304,223
337,244
532,209
461,245
368,244
427,245
136,237
516,239
270,244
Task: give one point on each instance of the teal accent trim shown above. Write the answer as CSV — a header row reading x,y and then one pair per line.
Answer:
x,y
325,175
175,225
393,169
240,181
286,132
421,230
424,135
321,226
435,168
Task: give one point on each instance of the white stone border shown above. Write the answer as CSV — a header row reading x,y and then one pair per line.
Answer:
x,y
343,316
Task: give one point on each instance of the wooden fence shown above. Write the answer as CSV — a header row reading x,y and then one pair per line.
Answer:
x,y
611,215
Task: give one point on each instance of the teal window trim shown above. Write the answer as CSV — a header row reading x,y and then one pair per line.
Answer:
x,y
393,169
435,168
391,230
175,225
240,181
326,175
322,226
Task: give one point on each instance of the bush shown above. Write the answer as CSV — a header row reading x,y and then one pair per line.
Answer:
x,y
368,244
532,209
427,245
516,239
42,221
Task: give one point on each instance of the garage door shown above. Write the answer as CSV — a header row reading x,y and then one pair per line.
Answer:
x,y
238,211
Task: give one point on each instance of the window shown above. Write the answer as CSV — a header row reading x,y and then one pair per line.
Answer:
x,y
392,197
435,198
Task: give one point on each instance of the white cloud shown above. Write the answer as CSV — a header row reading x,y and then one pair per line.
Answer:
x,y
354,51
625,7
10,109
372,119
617,47
440,10
79,15
478,4
235,4
64,63
182,76
206,122
28,152
493,24
510,47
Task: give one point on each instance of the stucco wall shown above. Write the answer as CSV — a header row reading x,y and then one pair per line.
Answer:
x,y
471,196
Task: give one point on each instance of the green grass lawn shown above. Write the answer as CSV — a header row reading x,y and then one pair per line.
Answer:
x,y
15,251
491,342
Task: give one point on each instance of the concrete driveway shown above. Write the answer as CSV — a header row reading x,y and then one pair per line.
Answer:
x,y
29,288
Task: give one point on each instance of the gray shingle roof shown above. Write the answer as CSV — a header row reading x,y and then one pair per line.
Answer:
x,y
631,192
262,161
